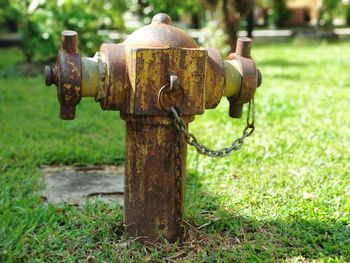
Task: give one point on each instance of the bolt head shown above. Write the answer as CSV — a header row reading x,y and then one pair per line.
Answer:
x,y
49,76
259,78
69,41
162,18
243,46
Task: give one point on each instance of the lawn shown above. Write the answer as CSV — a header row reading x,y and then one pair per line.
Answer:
x,y
285,196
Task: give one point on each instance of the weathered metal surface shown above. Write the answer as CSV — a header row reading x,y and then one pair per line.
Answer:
x,y
160,33
66,75
162,18
243,47
150,186
117,82
249,74
90,76
232,78
149,72
214,78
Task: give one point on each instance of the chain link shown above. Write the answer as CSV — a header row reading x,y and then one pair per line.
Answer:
x,y
235,145
178,184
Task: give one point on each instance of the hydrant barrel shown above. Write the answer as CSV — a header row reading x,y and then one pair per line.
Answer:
x,y
152,195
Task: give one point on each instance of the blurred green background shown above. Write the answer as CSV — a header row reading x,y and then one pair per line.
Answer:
x,y
36,24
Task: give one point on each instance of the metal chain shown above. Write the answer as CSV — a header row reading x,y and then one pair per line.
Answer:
x,y
178,184
235,145
181,129
173,85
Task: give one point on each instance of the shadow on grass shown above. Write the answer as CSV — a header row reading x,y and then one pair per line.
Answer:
x,y
231,235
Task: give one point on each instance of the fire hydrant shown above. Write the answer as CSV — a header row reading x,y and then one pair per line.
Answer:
x,y
158,79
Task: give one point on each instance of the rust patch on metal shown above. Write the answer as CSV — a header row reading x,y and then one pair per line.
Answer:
x,y
150,181
249,75
149,73
117,81
214,79
160,33
66,75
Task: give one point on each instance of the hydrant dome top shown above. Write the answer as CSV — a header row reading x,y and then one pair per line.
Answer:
x,y
160,33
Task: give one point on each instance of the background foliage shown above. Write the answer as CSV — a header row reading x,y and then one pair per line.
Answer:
x,y
328,9
280,13
176,8
41,22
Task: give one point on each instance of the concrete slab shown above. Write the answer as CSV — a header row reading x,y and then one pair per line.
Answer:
x,y
76,185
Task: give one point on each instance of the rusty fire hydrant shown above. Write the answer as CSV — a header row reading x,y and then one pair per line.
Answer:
x,y
158,79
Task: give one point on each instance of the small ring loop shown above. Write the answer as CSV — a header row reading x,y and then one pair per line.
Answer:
x,y
248,130
166,88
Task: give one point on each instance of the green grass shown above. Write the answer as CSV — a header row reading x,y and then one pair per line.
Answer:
x,y
284,197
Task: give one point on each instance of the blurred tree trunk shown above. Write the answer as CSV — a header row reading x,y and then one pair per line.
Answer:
x,y
230,12
25,27
231,21
250,22
195,21
141,5
26,38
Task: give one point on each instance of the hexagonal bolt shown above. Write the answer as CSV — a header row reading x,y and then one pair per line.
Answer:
x,y
50,75
236,110
69,41
162,18
67,112
259,78
243,47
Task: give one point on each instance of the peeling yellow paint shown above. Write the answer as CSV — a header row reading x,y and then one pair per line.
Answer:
x,y
67,85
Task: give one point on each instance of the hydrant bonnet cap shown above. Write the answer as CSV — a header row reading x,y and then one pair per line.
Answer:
x,y
160,33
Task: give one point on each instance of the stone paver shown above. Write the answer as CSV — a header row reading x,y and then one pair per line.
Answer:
x,y
76,185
